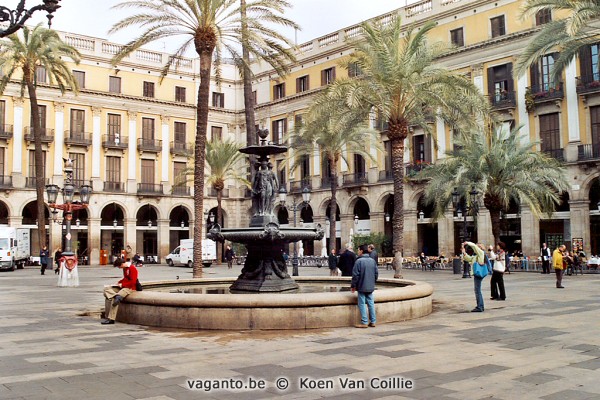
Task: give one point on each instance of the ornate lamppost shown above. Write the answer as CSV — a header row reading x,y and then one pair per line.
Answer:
x,y
462,210
16,18
295,207
68,207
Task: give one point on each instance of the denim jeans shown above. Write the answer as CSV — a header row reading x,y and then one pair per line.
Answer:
x,y
370,303
478,296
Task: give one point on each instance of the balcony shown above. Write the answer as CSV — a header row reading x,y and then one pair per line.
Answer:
x,y
386,176
298,186
588,84
213,193
558,154
78,183
503,100
47,134
150,145
5,181
545,93
115,141
355,179
150,188
6,132
326,182
114,187
588,152
412,170
181,149
30,181
179,190
78,138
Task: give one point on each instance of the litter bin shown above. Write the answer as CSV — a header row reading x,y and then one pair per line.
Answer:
x,y
103,257
457,266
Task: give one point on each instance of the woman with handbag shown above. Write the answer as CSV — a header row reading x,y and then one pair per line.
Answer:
x,y
475,256
499,262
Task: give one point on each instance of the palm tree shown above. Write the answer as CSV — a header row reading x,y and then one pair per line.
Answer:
x,y
570,34
39,47
400,81
502,167
333,130
211,26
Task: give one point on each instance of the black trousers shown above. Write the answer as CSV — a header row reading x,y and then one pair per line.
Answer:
x,y
546,267
497,284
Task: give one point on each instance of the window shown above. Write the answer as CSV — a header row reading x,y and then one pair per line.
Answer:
x,y
327,76
359,165
421,149
78,168
279,91
180,94
279,130
304,166
281,172
77,123
547,66
79,78
302,84
326,165
543,17
2,163
498,27
113,128
550,132
148,89
178,174
298,120
588,61
42,112
179,132
147,129
40,74
255,97
595,125
354,70
148,171
2,115
32,173
500,83
456,37
113,169
218,100
541,74
114,84
216,134
388,154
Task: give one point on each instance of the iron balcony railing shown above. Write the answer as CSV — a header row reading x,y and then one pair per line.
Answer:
x,y
588,83
78,138
213,193
326,182
503,99
150,188
115,141
6,131
298,186
547,92
30,181
180,190
558,154
151,145
355,178
386,176
5,181
588,152
413,169
47,134
115,187
181,148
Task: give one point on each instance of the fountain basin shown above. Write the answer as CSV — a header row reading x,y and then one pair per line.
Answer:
x,y
395,300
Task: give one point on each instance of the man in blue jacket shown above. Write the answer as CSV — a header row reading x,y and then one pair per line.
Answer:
x,y
364,276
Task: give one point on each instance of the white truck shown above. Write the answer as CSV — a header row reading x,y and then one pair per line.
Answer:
x,y
184,253
15,247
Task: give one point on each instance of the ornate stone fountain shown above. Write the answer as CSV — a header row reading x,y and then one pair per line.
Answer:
x,y
265,270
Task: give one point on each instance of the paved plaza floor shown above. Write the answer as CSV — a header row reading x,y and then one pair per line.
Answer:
x,y
541,343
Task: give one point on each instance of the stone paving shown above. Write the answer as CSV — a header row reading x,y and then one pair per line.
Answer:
x,y
541,343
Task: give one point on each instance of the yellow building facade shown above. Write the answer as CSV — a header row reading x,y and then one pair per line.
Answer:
x,y
130,135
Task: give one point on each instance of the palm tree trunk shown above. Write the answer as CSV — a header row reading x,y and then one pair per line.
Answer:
x,y
251,138
219,217
39,162
204,48
398,218
333,206
495,218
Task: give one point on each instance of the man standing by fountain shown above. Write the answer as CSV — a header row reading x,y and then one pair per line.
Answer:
x,y
364,276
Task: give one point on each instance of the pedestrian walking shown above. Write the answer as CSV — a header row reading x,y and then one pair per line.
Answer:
x,y
498,259
229,256
346,261
332,261
44,258
546,257
557,263
364,276
125,286
57,257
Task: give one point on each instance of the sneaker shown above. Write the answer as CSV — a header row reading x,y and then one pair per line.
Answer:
x,y
108,322
477,310
117,300
361,326
372,325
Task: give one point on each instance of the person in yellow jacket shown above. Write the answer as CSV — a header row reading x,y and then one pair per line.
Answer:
x,y
557,263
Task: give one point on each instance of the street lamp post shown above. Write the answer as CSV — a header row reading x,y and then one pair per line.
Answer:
x,y
68,207
16,18
471,208
295,206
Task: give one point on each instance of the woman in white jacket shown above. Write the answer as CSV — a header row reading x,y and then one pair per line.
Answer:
x,y
499,266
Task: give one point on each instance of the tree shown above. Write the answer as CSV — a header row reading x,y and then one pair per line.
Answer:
x,y
38,47
332,130
211,27
502,167
569,35
400,81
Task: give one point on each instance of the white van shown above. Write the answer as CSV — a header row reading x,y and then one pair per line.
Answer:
x,y
15,247
184,253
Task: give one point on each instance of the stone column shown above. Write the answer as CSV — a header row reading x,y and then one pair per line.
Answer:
x,y
580,222
164,173
59,139
446,234
530,233
133,156
56,233
97,183
94,238
347,223
411,233
163,238
17,156
130,236
484,228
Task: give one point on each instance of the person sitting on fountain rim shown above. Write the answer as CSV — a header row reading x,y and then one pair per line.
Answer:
x,y
364,276
127,285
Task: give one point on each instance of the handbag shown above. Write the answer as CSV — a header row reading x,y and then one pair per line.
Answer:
x,y
499,266
138,286
479,270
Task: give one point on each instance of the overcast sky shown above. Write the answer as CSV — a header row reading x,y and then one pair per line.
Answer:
x,y
316,17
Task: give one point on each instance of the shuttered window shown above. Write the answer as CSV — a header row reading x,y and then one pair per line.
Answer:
x,y
2,114
595,124
302,84
148,128
327,76
359,164
279,91
457,38
178,177
279,130
500,82
77,123
179,132
114,84
216,134
42,112
79,78
2,162
32,173
550,132
113,169
543,17
40,74
180,94
148,171
148,89
218,100
114,126
498,26
78,168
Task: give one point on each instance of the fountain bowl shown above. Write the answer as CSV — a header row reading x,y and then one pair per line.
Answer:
x,y
395,300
